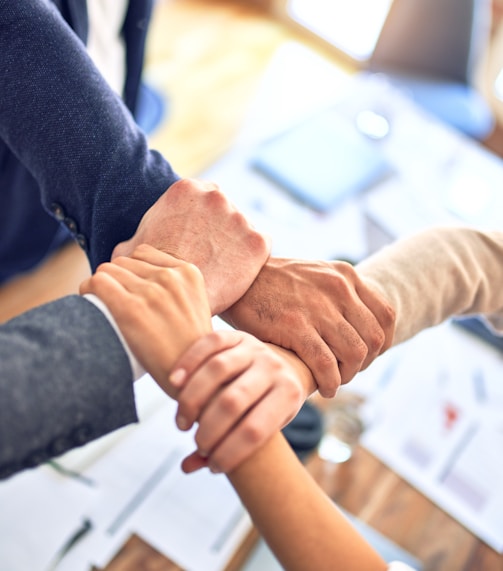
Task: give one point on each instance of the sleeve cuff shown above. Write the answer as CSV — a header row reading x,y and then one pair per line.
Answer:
x,y
399,566
136,367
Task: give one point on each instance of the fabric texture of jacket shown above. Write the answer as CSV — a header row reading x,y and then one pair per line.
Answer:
x,y
69,146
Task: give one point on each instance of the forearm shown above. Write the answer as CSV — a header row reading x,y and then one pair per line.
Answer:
x,y
77,138
304,529
436,274
64,380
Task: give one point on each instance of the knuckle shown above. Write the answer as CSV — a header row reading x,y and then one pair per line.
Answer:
x,y
253,433
346,269
292,393
215,197
231,400
389,316
99,278
376,341
295,391
192,272
295,320
258,243
140,249
151,293
219,367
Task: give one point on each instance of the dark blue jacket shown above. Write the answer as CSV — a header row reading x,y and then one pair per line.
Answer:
x,y
68,145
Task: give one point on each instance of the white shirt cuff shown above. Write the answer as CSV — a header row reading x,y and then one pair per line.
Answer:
x,y
399,566
136,367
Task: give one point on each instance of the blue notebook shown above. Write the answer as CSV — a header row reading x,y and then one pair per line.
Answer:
x,y
322,160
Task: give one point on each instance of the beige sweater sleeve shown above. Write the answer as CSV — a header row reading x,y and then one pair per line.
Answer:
x,y
439,273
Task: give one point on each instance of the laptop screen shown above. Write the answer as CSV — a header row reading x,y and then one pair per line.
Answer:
x,y
352,27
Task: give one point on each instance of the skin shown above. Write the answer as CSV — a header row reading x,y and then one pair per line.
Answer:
x,y
301,525
240,391
323,312
337,332
194,221
159,303
235,414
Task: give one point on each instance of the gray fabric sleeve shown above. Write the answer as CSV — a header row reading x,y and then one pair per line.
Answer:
x,y
64,380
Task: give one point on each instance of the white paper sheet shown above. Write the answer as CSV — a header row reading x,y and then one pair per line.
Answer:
x,y
438,422
40,511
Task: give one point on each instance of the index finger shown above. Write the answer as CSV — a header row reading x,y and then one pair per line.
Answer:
x,y
199,352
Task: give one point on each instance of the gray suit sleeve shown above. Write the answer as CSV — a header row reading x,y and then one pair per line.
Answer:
x,y
65,380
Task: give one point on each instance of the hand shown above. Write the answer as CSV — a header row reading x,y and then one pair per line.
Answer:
x,y
240,391
322,311
194,221
159,304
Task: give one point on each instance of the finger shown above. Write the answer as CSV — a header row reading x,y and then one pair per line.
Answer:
x,y
85,286
194,462
229,406
131,274
369,314
138,267
383,312
321,360
156,257
203,385
348,347
199,352
110,291
249,435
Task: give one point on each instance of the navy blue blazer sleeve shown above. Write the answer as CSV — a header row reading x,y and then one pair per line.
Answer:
x,y
65,380
72,132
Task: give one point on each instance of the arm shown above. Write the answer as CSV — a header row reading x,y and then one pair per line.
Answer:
x,y
436,274
301,525
78,139
299,522
64,381
95,170
459,271
424,279
65,376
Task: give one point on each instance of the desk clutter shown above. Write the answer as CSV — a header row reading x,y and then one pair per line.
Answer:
x,y
436,418
129,482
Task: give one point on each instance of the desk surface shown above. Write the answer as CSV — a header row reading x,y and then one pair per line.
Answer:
x,y
208,58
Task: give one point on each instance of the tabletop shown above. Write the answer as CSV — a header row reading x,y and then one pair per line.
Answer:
x,y
222,49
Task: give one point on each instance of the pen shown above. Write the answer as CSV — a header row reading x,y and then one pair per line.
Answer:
x,y
81,532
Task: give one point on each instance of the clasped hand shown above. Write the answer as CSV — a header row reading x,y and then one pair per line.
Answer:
x,y
237,388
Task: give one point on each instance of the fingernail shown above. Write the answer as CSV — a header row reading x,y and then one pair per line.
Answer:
x,y
203,453
177,377
214,469
182,422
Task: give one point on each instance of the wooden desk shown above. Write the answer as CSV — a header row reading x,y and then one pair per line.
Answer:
x,y
207,57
